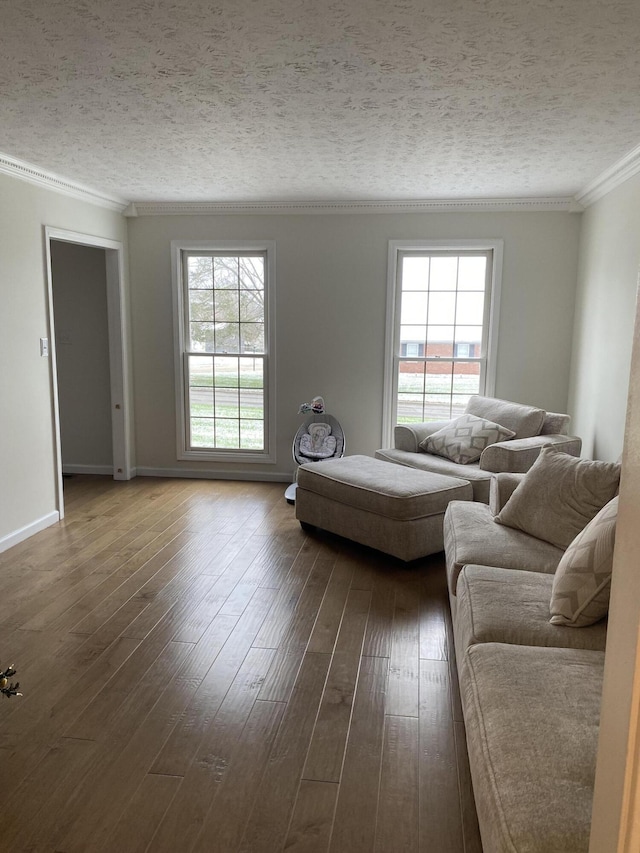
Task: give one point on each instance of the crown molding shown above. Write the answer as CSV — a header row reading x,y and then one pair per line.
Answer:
x,y
618,173
625,168
35,175
470,205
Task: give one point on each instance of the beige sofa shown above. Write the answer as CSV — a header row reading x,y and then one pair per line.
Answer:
x,y
530,689
533,427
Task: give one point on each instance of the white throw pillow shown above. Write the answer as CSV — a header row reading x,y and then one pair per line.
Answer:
x,y
464,439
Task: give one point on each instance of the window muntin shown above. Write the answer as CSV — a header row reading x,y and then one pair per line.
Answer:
x,y
225,362
441,329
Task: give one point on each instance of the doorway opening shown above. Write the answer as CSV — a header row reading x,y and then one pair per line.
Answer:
x,y
87,345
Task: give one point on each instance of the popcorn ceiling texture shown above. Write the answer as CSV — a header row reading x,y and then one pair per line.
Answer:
x,y
312,100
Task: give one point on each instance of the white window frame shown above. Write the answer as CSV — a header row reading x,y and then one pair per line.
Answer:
x,y
392,334
267,455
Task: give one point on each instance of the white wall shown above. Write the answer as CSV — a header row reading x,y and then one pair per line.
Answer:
x,y
331,285
27,482
614,808
600,402
605,309
82,354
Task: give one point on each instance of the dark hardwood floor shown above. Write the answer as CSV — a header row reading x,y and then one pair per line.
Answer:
x,y
201,675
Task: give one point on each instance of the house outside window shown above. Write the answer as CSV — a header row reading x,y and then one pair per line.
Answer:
x,y
441,340
223,299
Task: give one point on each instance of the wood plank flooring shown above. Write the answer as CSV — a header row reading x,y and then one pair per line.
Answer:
x,y
199,674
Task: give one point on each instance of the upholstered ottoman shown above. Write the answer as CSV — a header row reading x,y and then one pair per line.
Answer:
x,y
390,507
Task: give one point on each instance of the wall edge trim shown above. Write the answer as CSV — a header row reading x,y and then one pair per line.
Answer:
x,y
214,474
17,536
50,180
559,204
87,469
621,171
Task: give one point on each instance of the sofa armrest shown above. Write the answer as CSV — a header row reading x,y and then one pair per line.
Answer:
x,y
501,488
555,423
518,456
409,436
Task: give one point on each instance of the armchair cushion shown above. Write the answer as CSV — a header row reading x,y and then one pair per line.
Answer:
x,y
464,439
480,480
525,421
559,496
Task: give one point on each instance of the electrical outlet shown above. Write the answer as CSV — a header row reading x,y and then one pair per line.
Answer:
x,y
44,347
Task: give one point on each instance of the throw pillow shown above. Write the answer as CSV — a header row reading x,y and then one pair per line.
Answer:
x,y
582,582
525,421
559,495
464,439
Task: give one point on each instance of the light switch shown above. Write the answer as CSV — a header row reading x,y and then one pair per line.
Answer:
x,y
44,347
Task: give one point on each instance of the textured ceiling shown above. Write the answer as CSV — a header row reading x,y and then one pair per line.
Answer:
x,y
268,100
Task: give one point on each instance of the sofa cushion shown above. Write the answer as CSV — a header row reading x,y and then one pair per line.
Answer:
x,y
480,480
582,583
464,439
472,536
525,421
532,717
559,496
511,606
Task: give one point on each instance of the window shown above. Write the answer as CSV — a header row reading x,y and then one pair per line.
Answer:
x,y
224,367
463,350
441,328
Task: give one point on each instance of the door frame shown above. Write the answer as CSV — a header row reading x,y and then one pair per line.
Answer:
x,y
118,352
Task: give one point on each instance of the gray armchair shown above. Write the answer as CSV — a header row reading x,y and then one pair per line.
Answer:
x,y
534,429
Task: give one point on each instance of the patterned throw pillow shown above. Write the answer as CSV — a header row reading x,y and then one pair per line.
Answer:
x,y
464,439
582,582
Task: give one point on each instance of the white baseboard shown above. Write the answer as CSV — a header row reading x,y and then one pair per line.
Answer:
x,y
88,469
29,530
201,474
